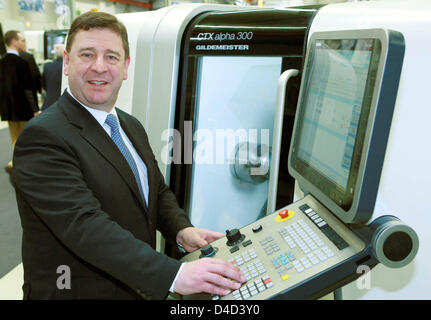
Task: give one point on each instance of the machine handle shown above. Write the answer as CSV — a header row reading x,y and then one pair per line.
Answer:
x,y
394,243
276,138
251,162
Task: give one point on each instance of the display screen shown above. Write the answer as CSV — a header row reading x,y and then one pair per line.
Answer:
x,y
335,109
51,38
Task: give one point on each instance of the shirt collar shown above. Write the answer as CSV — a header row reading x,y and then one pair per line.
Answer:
x,y
99,115
13,52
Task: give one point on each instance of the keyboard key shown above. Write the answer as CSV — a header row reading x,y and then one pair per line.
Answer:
x,y
246,296
322,257
254,292
304,207
314,217
321,224
246,243
261,288
266,279
317,221
299,269
251,286
234,249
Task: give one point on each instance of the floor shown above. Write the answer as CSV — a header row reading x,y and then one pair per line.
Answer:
x,y
11,275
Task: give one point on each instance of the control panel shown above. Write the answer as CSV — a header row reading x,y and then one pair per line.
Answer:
x,y
282,250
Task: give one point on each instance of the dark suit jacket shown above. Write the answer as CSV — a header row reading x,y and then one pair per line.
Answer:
x,y
51,79
80,206
36,77
15,80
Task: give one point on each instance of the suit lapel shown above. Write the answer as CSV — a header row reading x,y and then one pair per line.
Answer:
x,y
96,136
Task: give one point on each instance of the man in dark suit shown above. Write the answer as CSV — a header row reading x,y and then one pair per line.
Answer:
x,y
51,77
36,77
90,193
17,103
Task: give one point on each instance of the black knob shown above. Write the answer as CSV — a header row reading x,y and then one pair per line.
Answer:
x,y
257,228
234,236
207,251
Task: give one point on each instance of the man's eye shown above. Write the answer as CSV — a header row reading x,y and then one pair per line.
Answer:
x,y
112,58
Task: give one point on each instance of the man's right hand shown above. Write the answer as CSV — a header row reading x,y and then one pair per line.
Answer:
x,y
209,275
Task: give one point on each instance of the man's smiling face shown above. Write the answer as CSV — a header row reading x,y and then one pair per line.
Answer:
x,y
96,66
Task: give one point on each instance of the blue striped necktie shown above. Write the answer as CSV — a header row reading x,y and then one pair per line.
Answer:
x,y
111,121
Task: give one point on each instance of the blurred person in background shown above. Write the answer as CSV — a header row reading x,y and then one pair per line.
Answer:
x,y
17,102
36,77
51,77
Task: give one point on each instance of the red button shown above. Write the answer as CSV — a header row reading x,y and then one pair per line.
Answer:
x,y
283,213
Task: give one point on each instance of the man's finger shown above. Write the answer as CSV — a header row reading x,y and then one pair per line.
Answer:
x,y
225,269
221,281
214,289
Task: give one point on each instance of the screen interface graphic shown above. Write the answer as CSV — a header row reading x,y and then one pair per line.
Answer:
x,y
333,106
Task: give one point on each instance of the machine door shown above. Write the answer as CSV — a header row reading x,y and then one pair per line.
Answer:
x,y
230,66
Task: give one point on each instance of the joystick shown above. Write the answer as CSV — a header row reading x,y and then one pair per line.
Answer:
x,y
234,237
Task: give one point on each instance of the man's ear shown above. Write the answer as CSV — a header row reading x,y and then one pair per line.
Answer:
x,y
126,68
66,63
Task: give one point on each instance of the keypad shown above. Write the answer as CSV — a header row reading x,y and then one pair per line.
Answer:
x,y
302,236
253,288
299,235
324,227
294,249
269,245
245,257
254,272
249,265
283,264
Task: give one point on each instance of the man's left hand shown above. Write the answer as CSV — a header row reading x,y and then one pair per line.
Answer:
x,y
194,238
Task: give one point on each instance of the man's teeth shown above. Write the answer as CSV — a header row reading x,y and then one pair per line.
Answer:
x,y
97,82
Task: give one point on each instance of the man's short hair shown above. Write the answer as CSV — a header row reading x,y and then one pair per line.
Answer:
x,y
9,36
98,20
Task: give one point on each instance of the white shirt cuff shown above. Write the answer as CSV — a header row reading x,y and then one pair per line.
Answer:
x,y
171,289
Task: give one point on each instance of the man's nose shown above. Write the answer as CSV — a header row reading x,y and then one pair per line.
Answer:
x,y
99,64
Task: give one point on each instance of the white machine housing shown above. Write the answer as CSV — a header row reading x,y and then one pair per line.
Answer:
x,y
405,180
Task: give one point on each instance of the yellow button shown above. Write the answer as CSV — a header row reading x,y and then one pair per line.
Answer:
x,y
285,277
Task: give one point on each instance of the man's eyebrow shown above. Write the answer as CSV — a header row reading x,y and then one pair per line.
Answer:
x,y
109,51
86,48
113,52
